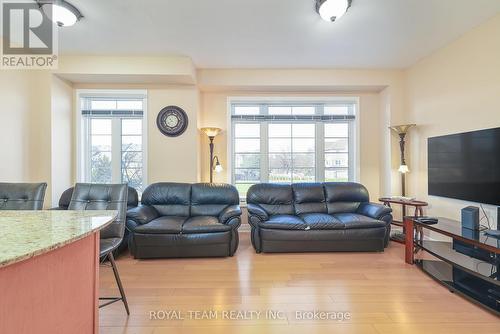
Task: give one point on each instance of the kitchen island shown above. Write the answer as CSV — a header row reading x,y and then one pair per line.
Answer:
x,y
49,270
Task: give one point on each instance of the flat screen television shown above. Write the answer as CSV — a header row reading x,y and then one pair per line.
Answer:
x,y
466,166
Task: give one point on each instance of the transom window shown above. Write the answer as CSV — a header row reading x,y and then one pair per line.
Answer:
x,y
291,142
112,145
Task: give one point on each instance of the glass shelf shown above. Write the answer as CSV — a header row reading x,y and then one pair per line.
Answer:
x,y
466,257
456,280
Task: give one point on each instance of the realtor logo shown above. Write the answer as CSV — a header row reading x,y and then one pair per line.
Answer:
x,y
28,37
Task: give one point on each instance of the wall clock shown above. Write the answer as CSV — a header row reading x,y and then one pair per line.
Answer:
x,y
172,121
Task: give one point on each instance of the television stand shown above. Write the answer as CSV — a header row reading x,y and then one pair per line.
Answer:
x,y
467,263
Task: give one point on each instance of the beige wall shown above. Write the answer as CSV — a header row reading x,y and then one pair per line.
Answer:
x,y
297,80
25,127
127,70
182,159
173,159
15,113
62,140
215,114
41,136
454,90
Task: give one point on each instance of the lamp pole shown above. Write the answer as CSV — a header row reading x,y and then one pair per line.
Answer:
x,y
211,133
403,162
211,158
401,131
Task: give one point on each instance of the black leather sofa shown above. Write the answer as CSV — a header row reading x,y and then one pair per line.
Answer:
x,y
185,220
316,217
132,202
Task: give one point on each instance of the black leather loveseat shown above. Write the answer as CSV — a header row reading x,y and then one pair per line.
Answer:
x,y
316,217
185,220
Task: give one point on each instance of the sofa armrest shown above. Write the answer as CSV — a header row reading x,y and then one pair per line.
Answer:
x,y
374,210
257,211
142,214
131,224
230,212
234,222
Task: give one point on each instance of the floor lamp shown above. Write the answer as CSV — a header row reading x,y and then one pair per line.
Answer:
x,y
214,160
402,131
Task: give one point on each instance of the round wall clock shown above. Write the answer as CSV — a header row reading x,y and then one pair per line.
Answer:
x,y
172,121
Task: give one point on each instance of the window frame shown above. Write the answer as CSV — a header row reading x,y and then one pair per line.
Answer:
x,y
83,146
318,103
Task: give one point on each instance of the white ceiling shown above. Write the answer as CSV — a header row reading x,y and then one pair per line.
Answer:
x,y
273,33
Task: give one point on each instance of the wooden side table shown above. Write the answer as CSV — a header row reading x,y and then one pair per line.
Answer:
x,y
419,212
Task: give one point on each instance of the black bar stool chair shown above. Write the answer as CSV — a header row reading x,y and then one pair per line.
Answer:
x,y
22,196
105,197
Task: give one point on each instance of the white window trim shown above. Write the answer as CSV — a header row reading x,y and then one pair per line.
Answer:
x,y
354,154
81,131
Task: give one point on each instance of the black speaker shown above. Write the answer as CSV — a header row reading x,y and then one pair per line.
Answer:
x,y
470,217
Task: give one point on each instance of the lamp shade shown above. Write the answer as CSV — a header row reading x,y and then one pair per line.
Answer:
x,y
61,12
218,168
211,132
332,10
402,129
403,169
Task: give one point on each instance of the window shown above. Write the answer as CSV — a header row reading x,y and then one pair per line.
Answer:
x,y
112,146
292,142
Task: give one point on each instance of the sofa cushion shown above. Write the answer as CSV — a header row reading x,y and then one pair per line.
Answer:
x,y
162,225
284,222
322,221
169,199
309,198
210,199
203,224
275,199
344,197
354,221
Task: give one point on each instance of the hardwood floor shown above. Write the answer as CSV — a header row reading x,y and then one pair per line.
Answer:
x,y
373,292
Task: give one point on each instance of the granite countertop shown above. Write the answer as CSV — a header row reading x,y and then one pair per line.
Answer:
x,y
25,234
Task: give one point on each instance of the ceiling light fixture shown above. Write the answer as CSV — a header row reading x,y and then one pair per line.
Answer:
x,y
332,10
61,12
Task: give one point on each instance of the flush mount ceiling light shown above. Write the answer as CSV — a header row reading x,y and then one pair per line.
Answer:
x,y
332,10
61,12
